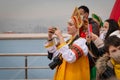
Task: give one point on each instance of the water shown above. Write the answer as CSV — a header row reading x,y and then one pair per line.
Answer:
x,y
24,46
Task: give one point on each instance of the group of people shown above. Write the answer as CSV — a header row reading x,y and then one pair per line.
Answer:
x,y
92,51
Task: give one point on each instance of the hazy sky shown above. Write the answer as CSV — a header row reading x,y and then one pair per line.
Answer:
x,y
26,15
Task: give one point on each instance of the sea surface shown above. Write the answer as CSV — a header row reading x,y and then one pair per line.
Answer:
x,y
24,46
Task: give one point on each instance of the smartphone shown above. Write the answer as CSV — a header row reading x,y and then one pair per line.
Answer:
x,y
89,30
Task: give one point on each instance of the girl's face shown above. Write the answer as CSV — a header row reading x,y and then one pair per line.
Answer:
x,y
71,29
106,26
104,30
115,53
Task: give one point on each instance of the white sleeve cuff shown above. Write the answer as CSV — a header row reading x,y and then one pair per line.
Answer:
x,y
51,49
99,43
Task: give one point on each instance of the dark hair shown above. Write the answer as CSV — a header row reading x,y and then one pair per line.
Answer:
x,y
85,8
111,41
113,26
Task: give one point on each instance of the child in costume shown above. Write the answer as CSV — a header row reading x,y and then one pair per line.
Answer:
x,y
73,62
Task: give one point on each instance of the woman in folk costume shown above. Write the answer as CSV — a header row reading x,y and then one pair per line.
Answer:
x,y
108,66
72,52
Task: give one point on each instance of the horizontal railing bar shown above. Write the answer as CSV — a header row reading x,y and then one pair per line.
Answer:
x,y
23,36
40,67
23,54
26,36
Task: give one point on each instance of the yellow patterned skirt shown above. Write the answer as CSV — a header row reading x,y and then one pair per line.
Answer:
x,y
78,70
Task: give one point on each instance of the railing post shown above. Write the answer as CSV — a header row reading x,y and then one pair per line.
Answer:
x,y
26,70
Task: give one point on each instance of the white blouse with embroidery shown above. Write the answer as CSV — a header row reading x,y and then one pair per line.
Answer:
x,y
66,52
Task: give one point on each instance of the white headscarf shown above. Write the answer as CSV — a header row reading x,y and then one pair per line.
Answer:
x,y
117,33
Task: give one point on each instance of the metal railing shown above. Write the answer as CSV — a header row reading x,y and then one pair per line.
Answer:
x,y
26,63
24,36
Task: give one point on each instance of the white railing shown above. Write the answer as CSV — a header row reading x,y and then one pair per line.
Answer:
x,y
26,36
23,36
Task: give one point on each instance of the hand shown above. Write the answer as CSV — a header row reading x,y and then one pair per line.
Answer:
x,y
94,36
58,33
91,37
50,33
88,37
109,64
